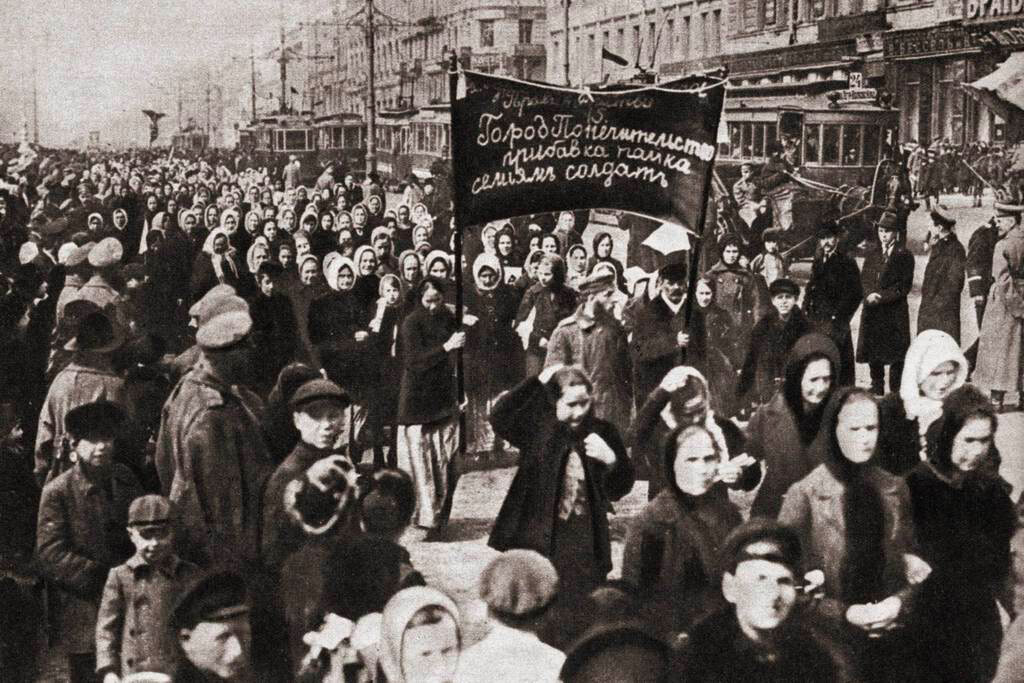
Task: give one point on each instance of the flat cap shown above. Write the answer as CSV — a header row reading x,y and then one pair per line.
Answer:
x,y
107,252
80,255
617,651
96,332
761,539
519,583
101,419
783,285
149,510
214,597
227,323
597,281
318,389
218,291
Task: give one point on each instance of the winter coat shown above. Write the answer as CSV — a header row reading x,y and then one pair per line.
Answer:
x,y
275,333
525,417
334,319
742,295
82,534
940,291
493,355
75,385
981,249
552,306
1001,340
963,531
813,507
770,343
672,557
427,392
833,294
654,345
599,346
132,629
885,326
204,277
773,436
717,651
899,437
213,462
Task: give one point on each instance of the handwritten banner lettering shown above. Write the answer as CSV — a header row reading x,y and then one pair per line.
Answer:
x,y
528,148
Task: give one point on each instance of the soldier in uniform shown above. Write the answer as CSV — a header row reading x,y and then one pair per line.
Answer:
x,y
980,250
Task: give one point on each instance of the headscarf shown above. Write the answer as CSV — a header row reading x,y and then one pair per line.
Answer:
x,y
156,223
250,256
580,247
487,261
929,350
709,422
123,213
398,612
208,243
95,215
808,348
960,405
391,277
302,262
434,256
225,214
333,267
409,253
217,260
359,254
493,248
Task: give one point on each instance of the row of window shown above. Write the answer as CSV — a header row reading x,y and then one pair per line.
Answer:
x,y
825,144
756,15
676,38
414,138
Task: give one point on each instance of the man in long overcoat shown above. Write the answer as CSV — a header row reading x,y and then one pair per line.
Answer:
x,y
595,341
833,295
886,279
211,456
943,278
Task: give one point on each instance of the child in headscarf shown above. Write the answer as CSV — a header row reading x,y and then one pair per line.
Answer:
x,y
417,621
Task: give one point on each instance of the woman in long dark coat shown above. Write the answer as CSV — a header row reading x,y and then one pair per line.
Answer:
x,y
963,518
886,278
548,301
428,437
493,357
571,465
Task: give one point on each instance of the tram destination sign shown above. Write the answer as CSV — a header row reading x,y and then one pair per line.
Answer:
x,y
523,148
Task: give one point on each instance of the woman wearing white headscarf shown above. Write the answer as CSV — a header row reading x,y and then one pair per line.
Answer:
x,y
933,368
493,356
217,264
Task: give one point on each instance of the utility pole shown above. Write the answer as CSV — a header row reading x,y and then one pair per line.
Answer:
x,y
371,95
565,51
283,61
207,104
35,102
179,106
252,67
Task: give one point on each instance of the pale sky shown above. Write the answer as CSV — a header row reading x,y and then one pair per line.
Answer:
x,y
100,62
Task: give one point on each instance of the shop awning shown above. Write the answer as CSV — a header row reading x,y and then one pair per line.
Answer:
x,y
1003,89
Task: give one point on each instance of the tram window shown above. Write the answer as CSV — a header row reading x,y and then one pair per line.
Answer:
x,y
830,144
735,143
770,133
294,139
758,144
812,143
872,140
851,145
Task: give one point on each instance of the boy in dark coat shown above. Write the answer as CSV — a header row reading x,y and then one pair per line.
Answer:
x,y
770,341
886,279
571,466
833,295
81,536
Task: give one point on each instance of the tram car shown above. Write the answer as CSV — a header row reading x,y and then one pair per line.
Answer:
x,y
341,139
845,156
413,141
192,141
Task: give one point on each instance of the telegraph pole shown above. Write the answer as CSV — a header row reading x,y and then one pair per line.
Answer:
x,y
371,95
252,67
35,103
565,51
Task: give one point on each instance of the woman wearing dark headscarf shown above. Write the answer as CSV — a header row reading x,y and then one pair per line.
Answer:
x,y
544,305
782,432
601,252
743,295
854,523
492,349
508,250
367,287
673,545
964,519
218,263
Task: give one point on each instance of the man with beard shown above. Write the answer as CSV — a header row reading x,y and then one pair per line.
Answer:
x,y
833,295
765,635
211,457
595,341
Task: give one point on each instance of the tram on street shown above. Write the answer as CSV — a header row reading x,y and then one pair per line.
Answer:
x,y
192,141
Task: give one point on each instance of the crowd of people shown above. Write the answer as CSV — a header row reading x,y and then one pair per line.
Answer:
x,y
230,400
